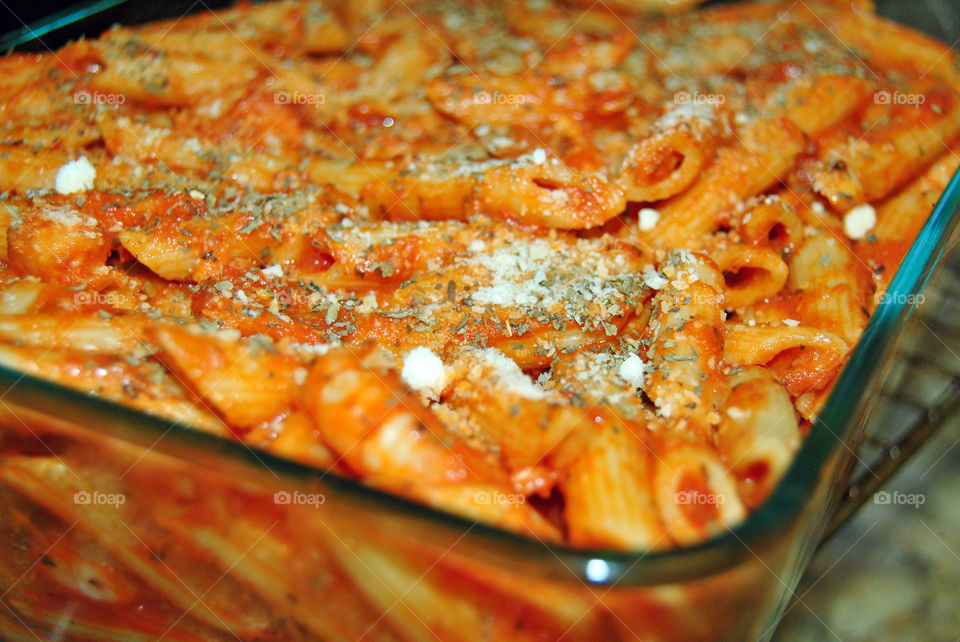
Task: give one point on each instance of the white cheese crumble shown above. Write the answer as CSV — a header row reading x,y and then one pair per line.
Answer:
x,y
633,370
424,372
75,176
510,376
539,156
653,280
791,322
648,218
860,220
273,270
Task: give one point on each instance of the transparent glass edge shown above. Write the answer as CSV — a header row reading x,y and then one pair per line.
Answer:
x,y
712,556
39,28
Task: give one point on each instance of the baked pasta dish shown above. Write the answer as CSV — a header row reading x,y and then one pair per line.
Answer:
x,y
569,269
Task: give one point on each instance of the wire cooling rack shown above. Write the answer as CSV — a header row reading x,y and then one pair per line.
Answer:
x,y
920,392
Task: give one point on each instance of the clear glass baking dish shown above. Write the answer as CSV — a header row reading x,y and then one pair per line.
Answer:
x,y
119,525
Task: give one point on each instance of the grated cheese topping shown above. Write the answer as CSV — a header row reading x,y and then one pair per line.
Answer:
x,y
588,280
509,376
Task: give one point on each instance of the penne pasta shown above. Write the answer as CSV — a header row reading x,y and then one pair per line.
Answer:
x,y
598,516
757,440
507,260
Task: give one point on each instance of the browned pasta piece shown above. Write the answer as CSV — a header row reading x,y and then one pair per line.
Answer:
x,y
350,176
292,435
129,138
168,260
437,192
394,441
836,309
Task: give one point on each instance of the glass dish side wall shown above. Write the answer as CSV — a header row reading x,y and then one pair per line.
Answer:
x,y
110,540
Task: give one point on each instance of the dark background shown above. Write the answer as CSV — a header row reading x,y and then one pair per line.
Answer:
x,y
27,11
15,14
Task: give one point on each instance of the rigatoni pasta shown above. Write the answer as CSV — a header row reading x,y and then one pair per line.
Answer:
x,y
585,274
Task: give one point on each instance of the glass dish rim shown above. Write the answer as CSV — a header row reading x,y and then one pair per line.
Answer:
x,y
713,556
